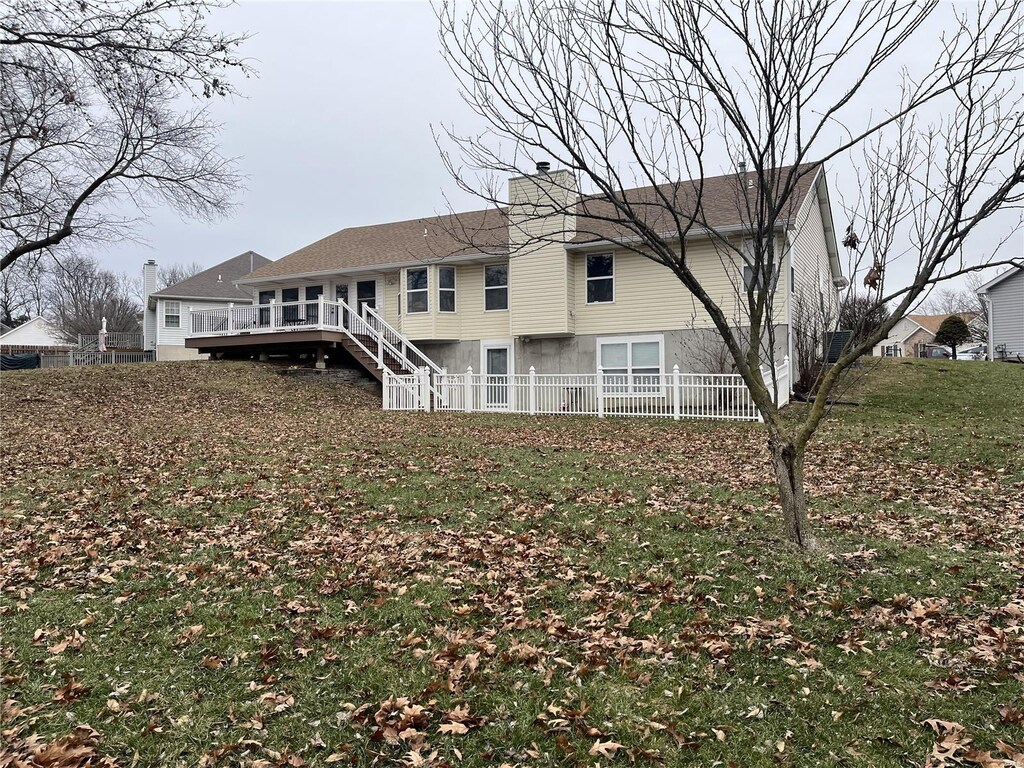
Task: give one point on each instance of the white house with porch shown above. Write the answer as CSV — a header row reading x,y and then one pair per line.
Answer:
x,y
166,312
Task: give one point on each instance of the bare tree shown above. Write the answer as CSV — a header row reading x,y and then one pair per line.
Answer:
x,y
80,294
862,315
90,114
649,93
175,273
23,290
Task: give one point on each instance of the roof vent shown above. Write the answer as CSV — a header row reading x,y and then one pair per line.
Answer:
x,y
543,166
220,279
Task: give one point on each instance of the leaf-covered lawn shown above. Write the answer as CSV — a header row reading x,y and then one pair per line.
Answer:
x,y
212,564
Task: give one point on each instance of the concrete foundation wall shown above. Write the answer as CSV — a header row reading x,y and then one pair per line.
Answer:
x,y
165,352
694,351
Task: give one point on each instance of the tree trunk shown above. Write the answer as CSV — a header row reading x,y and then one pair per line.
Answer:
x,y
788,461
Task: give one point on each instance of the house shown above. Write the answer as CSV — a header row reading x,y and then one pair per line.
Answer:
x,y
165,320
914,335
35,335
413,294
1004,297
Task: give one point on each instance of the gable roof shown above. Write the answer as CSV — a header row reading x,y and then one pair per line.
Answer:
x,y
217,282
931,323
999,278
437,237
34,332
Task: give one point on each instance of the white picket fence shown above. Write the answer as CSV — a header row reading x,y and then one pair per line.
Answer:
x,y
674,395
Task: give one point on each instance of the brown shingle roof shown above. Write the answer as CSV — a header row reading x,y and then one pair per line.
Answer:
x,y
931,323
404,241
396,243
217,282
721,199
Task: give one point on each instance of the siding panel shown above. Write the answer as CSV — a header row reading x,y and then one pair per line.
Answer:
x,y
1008,315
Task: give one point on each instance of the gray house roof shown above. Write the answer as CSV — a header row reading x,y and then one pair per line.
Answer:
x,y
217,282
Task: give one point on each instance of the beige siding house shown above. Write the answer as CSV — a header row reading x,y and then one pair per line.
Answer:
x,y
537,291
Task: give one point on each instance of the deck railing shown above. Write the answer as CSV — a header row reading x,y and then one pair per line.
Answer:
x,y
369,331
674,395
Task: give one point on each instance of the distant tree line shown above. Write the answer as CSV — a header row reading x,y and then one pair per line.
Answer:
x,y
75,293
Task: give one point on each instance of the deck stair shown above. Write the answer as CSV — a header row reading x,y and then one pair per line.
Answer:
x,y
371,340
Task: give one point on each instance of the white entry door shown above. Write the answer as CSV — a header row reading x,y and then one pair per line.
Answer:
x,y
497,368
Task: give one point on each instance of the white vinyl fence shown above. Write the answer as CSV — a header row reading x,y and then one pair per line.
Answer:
x,y
95,358
672,395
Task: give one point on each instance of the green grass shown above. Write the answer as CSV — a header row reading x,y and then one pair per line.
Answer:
x,y
571,581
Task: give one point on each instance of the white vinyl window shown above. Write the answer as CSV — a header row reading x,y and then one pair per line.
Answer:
x,y
446,289
417,298
495,287
631,365
172,314
600,279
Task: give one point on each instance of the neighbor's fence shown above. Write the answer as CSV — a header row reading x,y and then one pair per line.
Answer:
x,y
674,395
115,340
95,358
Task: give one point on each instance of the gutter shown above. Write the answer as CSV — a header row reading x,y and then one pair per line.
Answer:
x,y
235,299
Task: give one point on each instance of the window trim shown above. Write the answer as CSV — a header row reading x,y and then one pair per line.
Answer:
x,y
410,291
629,341
588,278
506,286
453,290
167,305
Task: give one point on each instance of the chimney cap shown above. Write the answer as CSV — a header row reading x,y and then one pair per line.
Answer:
x,y
543,166
151,261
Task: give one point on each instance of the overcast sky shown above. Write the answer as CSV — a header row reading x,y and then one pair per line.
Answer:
x,y
334,131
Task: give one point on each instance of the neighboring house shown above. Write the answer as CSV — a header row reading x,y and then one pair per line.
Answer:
x,y
914,335
567,307
35,335
165,323
1005,299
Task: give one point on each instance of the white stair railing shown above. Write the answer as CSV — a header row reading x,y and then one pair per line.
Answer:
x,y
409,351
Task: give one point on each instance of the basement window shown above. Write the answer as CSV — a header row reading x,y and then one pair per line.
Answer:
x,y
416,298
631,365
601,279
